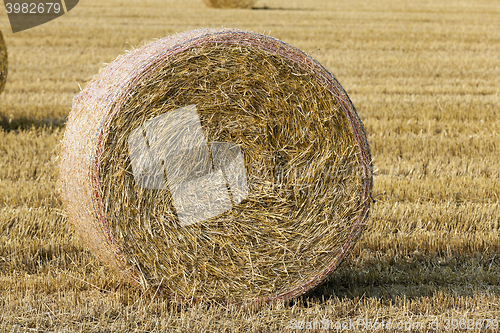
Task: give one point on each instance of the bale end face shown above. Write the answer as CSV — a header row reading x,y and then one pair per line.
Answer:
x,y
217,164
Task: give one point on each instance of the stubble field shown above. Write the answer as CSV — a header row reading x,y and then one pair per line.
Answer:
x,y
425,79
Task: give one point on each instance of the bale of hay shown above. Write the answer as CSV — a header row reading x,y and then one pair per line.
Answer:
x,y
3,63
217,164
229,3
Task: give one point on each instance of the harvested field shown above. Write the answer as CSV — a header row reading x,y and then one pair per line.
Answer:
x,y
424,78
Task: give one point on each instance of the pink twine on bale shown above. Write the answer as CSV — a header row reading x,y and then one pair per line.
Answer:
x,y
95,108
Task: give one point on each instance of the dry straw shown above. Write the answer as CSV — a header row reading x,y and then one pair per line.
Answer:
x,y
3,63
230,3
305,154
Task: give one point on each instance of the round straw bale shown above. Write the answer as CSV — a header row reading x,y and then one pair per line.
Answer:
x,y
217,164
3,63
230,3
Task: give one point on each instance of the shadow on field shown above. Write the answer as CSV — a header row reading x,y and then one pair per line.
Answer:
x,y
284,9
412,277
19,124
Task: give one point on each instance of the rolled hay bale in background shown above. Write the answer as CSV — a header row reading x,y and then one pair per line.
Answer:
x,y
3,63
217,164
230,3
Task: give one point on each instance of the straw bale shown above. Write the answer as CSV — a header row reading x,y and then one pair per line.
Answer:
x,y
217,164
230,3
3,63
